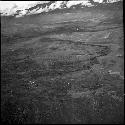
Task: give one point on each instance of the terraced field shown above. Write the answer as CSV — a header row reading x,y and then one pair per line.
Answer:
x,y
63,67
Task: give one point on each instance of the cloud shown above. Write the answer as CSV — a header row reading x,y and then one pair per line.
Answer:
x,y
11,7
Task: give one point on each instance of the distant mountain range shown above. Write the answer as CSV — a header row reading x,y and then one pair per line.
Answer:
x,y
21,8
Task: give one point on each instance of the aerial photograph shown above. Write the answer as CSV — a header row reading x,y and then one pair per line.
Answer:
x,y
62,62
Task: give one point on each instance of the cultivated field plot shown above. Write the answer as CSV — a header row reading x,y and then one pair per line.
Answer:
x,y
63,67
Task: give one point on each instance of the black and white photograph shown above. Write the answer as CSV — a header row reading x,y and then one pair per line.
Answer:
x,y
62,62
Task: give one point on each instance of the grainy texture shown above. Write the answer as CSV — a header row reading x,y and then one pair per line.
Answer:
x,y
63,67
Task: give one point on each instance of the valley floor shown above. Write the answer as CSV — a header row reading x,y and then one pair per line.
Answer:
x,y
63,68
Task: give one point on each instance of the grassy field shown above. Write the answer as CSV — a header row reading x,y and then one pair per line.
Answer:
x,y
63,67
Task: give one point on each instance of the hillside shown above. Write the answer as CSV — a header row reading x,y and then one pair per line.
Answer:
x,y
64,66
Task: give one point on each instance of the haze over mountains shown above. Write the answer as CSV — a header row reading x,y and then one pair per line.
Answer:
x,y
19,8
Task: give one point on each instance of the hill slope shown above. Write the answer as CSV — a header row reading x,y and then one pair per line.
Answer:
x,y
63,67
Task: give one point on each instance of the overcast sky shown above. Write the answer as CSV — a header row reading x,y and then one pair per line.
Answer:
x,y
11,7
20,4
